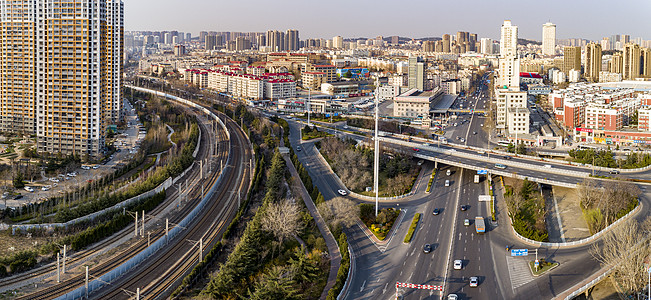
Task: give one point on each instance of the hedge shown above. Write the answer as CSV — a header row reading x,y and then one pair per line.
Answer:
x,y
412,228
342,274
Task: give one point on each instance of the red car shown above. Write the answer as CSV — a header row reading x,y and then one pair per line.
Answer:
x,y
416,149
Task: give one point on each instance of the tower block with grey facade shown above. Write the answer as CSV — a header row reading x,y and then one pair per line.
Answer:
x,y
593,61
73,87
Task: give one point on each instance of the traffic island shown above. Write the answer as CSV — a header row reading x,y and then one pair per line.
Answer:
x,y
412,228
542,268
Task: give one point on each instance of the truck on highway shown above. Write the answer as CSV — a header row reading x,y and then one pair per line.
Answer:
x,y
480,226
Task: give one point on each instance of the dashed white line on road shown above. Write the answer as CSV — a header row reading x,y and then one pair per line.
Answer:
x,y
385,288
363,284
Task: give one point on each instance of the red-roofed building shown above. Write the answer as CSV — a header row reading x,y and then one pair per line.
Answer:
x,y
530,78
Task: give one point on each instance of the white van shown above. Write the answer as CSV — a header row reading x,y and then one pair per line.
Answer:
x,y
548,166
447,183
448,172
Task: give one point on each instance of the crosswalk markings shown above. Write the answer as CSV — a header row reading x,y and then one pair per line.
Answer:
x,y
518,271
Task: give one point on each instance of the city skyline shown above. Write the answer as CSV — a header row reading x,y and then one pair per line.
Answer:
x,y
481,17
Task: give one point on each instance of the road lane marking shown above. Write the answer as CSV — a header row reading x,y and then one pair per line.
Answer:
x,y
385,288
363,284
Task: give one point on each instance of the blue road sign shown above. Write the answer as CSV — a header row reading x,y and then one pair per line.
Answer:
x,y
336,114
482,172
327,115
519,252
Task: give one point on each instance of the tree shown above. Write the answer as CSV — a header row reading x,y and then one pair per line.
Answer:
x,y
19,181
626,248
522,149
282,219
274,285
340,211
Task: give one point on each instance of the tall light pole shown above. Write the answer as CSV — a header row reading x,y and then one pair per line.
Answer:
x,y
376,172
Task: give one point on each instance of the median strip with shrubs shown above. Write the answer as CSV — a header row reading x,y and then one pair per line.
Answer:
x,y
412,228
431,180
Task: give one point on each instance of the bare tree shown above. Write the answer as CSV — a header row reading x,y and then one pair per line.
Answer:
x,y
625,248
283,220
588,192
340,211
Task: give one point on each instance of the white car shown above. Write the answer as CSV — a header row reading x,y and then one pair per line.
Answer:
x,y
342,192
29,189
473,281
458,264
453,297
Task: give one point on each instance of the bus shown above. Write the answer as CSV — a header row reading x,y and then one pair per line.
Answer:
x,y
504,143
587,147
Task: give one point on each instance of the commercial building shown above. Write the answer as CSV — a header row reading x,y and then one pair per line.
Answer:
x,y
592,62
518,120
344,88
414,103
549,39
416,75
506,100
71,106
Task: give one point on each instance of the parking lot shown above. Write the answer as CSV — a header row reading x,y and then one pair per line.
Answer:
x,y
67,180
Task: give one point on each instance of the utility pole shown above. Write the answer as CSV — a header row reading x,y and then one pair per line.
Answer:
x,y
142,230
376,172
63,270
136,223
167,230
86,282
58,269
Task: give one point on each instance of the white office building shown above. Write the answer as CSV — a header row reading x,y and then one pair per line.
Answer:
x,y
549,39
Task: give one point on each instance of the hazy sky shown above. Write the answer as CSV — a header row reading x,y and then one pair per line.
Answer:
x,y
590,19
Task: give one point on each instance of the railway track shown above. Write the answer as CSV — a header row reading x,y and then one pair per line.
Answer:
x,y
75,281
157,279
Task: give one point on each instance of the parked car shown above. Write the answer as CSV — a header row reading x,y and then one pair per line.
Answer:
x,y
29,189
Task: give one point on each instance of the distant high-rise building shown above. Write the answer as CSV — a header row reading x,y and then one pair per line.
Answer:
x,y
338,42
71,106
395,40
486,46
446,43
631,61
646,62
188,37
571,59
416,75
168,38
592,61
261,41
276,40
549,39
292,41
438,46
210,42
429,46
605,44
179,50
472,41
242,43
509,39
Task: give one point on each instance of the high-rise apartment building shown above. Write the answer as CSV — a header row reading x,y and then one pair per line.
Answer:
x,y
631,61
429,46
549,39
486,46
292,41
646,62
60,69
509,39
571,59
592,61
416,75
616,63
446,43
338,42
275,40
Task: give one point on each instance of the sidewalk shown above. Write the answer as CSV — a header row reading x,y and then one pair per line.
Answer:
x,y
331,242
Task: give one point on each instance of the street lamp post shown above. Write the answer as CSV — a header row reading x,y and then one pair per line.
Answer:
x,y
376,179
